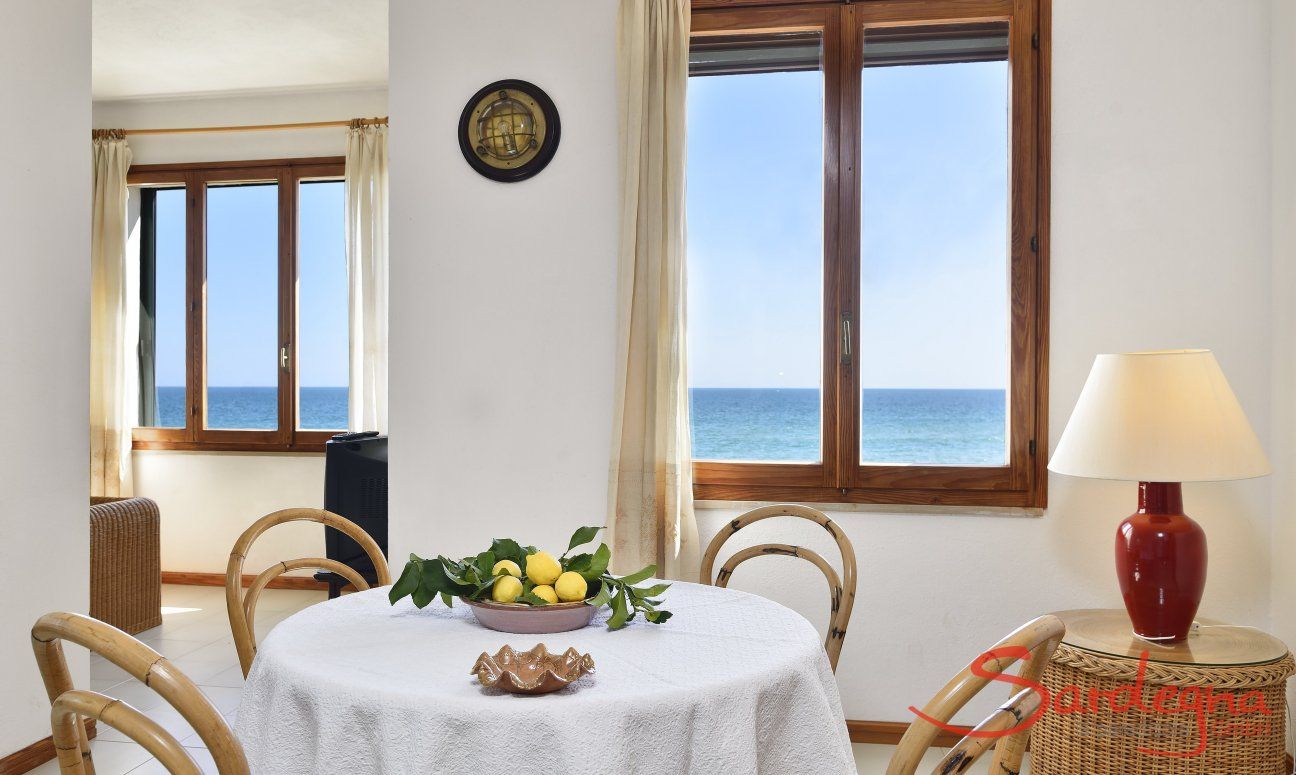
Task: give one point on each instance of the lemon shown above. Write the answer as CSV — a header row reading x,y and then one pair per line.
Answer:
x,y
545,593
509,566
507,589
542,568
571,587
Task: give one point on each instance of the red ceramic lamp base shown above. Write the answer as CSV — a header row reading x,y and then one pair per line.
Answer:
x,y
1161,564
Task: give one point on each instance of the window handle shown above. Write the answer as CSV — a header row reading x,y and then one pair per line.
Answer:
x,y
284,352
845,339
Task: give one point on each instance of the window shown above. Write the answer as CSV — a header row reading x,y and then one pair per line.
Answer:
x,y
243,305
867,252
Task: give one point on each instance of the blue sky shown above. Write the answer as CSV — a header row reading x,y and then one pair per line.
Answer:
x,y
934,256
242,286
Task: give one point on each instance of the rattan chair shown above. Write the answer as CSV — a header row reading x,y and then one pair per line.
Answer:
x,y
1040,637
70,707
841,588
242,606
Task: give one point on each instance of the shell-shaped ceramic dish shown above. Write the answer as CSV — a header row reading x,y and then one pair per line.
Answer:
x,y
531,672
524,619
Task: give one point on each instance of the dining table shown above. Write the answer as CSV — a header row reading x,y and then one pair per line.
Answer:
x,y
732,683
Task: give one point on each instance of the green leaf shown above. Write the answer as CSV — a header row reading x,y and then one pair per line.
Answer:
x,y
635,578
448,599
620,612
415,558
436,579
652,591
598,563
601,597
484,562
530,597
507,549
657,617
453,571
583,536
580,563
423,595
406,584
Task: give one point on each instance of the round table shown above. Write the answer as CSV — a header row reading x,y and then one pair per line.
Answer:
x,y
733,683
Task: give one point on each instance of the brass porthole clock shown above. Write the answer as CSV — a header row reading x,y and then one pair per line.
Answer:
x,y
509,130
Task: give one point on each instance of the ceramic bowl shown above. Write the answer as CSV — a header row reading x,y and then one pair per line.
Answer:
x,y
531,620
531,672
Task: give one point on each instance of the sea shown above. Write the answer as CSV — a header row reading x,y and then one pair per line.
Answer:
x,y
932,427
256,408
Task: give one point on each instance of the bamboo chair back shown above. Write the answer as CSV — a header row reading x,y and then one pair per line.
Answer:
x,y
841,588
1040,638
242,605
70,707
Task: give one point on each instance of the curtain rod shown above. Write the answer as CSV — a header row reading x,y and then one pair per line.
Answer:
x,y
260,127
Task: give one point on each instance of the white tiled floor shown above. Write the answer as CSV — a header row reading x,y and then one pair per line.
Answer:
x,y
195,636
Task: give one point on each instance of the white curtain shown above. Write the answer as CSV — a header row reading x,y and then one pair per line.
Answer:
x,y
650,495
112,350
366,240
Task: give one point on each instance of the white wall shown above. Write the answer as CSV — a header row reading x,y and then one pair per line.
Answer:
x,y
44,343
1283,233
208,499
241,110
502,319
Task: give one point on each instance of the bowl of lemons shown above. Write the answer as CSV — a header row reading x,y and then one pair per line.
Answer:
x,y
521,589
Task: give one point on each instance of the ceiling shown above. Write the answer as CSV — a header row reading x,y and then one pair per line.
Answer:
x,y
161,48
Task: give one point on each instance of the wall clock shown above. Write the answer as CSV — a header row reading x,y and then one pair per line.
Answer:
x,y
509,130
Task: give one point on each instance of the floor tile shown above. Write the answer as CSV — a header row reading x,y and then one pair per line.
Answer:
x,y
137,695
221,650
200,756
104,674
174,648
202,671
225,698
114,758
231,677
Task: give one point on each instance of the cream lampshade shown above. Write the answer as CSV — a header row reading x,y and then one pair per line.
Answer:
x,y
1159,418
1165,416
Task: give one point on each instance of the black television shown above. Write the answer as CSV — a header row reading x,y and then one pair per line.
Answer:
x,y
355,486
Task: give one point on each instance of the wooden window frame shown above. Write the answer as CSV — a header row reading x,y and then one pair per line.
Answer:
x,y
194,178
840,477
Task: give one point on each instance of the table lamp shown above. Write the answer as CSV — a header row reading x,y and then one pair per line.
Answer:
x,y
1159,418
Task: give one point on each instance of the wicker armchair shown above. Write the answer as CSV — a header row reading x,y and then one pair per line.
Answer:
x,y
125,563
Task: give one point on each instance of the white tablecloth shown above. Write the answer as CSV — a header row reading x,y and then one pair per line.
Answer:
x,y
734,683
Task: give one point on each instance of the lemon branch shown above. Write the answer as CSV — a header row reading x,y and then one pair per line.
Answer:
x,y
508,572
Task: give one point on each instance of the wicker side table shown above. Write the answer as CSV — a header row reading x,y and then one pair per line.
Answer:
x,y
1215,703
125,563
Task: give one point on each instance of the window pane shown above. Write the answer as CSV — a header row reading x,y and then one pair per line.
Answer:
x,y
322,306
755,247
162,307
242,306
934,279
